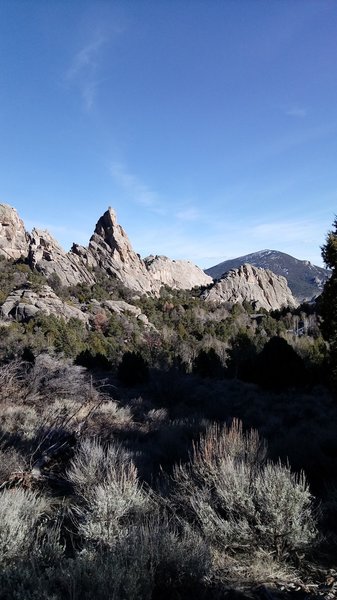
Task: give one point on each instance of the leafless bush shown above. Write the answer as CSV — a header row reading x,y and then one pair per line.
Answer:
x,y
230,442
239,501
50,376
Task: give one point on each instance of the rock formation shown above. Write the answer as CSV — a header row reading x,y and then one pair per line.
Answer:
x,y
248,283
46,256
13,236
177,274
305,280
25,303
110,250
120,307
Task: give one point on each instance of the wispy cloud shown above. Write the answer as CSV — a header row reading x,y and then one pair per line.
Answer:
x,y
84,68
138,191
297,112
188,214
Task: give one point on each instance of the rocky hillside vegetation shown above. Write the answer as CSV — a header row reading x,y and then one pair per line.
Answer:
x,y
161,438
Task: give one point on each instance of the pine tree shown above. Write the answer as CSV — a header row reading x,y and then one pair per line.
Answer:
x,y
327,303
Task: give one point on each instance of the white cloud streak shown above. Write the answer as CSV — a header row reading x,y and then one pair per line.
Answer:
x,y
188,214
83,71
297,112
138,191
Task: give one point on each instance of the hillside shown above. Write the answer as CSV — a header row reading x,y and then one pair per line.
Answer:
x,y
305,280
146,431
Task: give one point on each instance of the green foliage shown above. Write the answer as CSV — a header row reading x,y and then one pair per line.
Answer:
x,y
327,303
329,249
12,276
241,356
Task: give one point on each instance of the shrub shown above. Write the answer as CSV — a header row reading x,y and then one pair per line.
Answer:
x,y
93,360
241,502
107,481
20,513
152,560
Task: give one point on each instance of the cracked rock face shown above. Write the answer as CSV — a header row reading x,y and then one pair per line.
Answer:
x,y
110,250
47,257
13,236
251,284
177,274
25,303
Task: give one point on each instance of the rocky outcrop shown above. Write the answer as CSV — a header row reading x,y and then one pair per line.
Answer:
x,y
13,236
25,303
248,283
177,274
46,256
120,307
305,280
110,250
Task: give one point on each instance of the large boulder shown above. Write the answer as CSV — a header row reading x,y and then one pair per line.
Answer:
x,y
25,303
247,283
13,236
177,274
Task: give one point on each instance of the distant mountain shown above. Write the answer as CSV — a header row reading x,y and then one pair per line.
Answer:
x,y
305,280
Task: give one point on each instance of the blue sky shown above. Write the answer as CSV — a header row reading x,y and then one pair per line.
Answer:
x,y
210,126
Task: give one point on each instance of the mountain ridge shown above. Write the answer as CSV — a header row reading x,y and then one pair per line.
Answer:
x,y
305,280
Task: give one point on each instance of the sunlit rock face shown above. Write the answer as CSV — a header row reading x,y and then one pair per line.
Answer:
x,y
13,236
110,250
248,283
305,280
177,274
47,257
25,303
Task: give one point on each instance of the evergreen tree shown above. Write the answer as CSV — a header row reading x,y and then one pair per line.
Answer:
x,y
327,304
